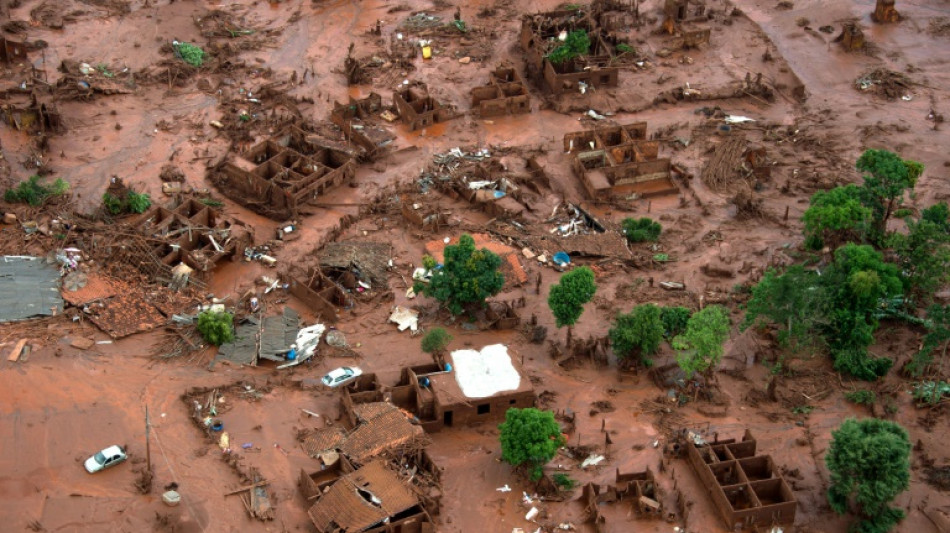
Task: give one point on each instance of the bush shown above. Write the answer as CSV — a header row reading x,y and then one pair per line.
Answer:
x,y
132,203
530,438
638,332
563,481
436,340
862,397
190,54
216,327
674,320
641,230
869,462
576,44
34,193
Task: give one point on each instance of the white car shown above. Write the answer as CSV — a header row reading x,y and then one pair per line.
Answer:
x,y
341,375
110,456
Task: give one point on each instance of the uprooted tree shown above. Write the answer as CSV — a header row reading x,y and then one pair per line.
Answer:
x,y
869,462
529,438
467,277
568,296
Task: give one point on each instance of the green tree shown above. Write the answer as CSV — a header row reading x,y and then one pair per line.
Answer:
x,y
699,348
869,462
568,296
886,178
937,337
530,438
858,282
835,217
216,327
638,332
795,301
923,253
435,341
641,229
674,320
467,277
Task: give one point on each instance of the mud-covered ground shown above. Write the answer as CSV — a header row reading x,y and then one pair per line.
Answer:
x,y
60,404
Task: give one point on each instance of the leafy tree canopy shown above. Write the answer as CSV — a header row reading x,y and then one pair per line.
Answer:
x,y
577,44
836,216
886,178
567,297
467,277
699,348
923,253
529,437
869,462
638,332
794,301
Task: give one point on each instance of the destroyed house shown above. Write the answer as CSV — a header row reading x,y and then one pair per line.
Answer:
x,y
287,170
480,387
418,109
618,161
353,119
542,33
747,489
379,427
372,499
505,94
192,233
12,51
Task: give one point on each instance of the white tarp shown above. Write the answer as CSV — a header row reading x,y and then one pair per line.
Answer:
x,y
481,374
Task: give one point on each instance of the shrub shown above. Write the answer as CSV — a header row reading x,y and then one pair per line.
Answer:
x,y
31,191
563,481
436,340
674,320
132,203
216,327
641,230
638,332
576,44
138,202
861,396
699,348
191,54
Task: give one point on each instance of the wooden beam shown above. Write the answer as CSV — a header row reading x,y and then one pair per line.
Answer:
x,y
248,487
17,348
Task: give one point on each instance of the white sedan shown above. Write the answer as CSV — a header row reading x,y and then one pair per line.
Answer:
x,y
341,375
110,456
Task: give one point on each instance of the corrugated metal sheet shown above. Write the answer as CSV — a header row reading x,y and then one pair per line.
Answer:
x,y
29,288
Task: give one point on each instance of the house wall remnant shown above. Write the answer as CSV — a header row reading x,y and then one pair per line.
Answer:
x,y
884,12
618,161
291,169
639,488
505,94
747,489
851,37
372,140
418,109
12,51
540,36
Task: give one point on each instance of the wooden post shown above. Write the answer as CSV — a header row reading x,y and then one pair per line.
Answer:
x,y
148,447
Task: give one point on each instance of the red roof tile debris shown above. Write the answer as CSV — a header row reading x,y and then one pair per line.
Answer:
x,y
361,499
510,267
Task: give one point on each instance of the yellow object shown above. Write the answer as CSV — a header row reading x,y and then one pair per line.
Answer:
x,y
426,52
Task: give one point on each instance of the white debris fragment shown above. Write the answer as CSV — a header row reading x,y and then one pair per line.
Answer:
x,y
405,318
